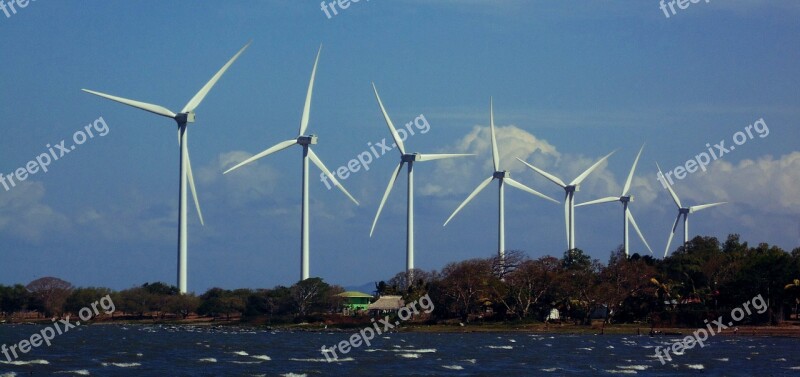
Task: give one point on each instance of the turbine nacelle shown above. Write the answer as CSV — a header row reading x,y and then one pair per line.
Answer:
x,y
410,157
684,211
572,188
501,174
307,140
183,118
626,199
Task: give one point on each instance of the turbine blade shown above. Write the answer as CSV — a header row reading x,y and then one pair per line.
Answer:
x,y
669,188
545,174
307,106
577,181
431,157
315,159
155,109
630,175
527,189
672,234
639,232
389,123
475,192
395,173
495,153
278,147
195,101
598,201
704,206
190,176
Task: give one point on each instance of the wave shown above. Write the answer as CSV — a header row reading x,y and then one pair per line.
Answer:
x,y
262,357
81,372
207,360
621,371
501,347
122,365
453,367
323,360
293,375
31,362
634,367
241,353
549,369
409,355
695,366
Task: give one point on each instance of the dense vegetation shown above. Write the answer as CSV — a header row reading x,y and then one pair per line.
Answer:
x,y
703,280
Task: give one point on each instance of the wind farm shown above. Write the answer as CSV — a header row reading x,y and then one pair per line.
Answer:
x,y
399,187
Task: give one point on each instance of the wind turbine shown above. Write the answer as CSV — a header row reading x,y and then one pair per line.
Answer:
x,y
682,211
627,216
305,141
569,189
502,177
183,118
408,158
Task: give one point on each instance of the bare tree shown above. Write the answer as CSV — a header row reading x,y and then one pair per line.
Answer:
x,y
51,292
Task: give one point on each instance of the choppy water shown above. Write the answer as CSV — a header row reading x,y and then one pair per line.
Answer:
x,y
206,351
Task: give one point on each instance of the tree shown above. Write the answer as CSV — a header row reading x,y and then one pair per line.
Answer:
x,y
309,294
467,285
51,293
529,283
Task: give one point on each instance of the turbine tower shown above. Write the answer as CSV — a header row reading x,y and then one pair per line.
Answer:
x,y
305,141
569,189
183,118
408,158
627,216
682,211
502,177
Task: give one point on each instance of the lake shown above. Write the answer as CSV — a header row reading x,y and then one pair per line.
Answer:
x,y
141,350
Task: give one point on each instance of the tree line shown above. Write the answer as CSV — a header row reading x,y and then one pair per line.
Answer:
x,y
702,280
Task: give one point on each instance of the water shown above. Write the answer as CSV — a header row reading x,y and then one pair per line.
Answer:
x,y
141,350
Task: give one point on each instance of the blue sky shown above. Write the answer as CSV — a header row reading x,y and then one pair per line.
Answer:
x,y
570,82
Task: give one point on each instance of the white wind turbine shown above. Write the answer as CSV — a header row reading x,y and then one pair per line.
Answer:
x,y
183,118
502,177
627,216
408,158
569,198
305,141
682,211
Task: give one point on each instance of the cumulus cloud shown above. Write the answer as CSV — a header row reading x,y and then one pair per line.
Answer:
x,y
23,214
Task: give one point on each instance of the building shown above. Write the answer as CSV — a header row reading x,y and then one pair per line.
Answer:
x,y
355,301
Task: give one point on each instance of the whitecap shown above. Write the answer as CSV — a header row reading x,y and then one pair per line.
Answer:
x,y
293,375
22,362
241,353
81,372
324,360
695,366
122,365
549,369
262,357
472,361
453,367
722,359
207,360
634,367
409,355
622,371
501,347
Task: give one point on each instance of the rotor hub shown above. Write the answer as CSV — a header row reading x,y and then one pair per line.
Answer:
x,y
307,140
184,118
502,174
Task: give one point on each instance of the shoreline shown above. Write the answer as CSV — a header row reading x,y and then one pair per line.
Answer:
x,y
786,330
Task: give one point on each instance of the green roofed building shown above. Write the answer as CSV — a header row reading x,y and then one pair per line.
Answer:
x,y
355,301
